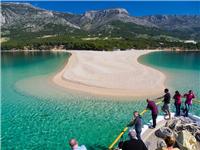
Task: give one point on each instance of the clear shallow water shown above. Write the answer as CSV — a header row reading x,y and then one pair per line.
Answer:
x,y
182,69
39,115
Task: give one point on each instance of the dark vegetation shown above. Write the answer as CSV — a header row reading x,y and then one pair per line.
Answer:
x,y
99,44
119,36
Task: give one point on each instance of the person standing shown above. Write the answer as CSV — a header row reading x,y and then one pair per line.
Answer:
x,y
177,102
188,103
137,123
166,105
154,111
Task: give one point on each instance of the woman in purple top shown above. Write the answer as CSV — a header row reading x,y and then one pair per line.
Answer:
x,y
154,111
188,102
177,102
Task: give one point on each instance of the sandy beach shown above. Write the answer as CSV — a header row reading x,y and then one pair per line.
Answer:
x,y
116,73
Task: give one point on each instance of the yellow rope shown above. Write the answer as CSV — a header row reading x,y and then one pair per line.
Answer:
x,y
118,137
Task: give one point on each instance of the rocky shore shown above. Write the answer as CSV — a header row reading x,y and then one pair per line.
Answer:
x,y
185,130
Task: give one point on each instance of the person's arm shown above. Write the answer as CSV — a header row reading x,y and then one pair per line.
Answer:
x,y
148,106
132,123
184,95
160,97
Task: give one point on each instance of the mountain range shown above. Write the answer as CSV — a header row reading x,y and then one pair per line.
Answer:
x,y
23,20
24,26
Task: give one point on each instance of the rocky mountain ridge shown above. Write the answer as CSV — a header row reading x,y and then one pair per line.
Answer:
x,y
28,18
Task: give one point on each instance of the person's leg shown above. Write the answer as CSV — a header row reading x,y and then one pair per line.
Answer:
x,y
138,132
154,120
176,107
169,114
179,109
189,108
164,109
186,110
167,109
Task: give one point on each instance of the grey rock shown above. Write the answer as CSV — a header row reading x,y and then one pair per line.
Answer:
x,y
174,21
180,124
163,132
26,15
186,141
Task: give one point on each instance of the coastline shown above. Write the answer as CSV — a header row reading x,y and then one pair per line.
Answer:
x,y
68,50
116,74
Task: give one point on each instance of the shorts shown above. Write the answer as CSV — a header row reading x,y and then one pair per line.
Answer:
x,y
166,107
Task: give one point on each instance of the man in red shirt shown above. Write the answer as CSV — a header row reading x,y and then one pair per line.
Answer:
x,y
188,102
154,111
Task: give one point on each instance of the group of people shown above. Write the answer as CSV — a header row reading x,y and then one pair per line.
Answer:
x,y
188,102
177,102
166,105
151,105
135,142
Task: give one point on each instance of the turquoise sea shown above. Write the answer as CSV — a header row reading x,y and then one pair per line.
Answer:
x,y
36,114
182,69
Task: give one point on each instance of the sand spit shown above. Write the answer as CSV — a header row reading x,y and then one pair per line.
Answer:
x,y
116,73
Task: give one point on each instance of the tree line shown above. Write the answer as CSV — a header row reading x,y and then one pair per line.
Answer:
x,y
109,44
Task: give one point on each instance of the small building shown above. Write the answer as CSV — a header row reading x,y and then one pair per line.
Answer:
x,y
190,41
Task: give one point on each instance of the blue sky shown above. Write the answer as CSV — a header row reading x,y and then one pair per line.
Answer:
x,y
135,8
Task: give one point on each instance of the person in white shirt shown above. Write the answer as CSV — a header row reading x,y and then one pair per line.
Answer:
x,y
74,145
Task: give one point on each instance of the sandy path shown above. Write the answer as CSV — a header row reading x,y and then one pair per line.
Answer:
x,y
115,73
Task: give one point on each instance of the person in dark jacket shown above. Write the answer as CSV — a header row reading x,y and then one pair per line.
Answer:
x,y
133,143
137,123
154,111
